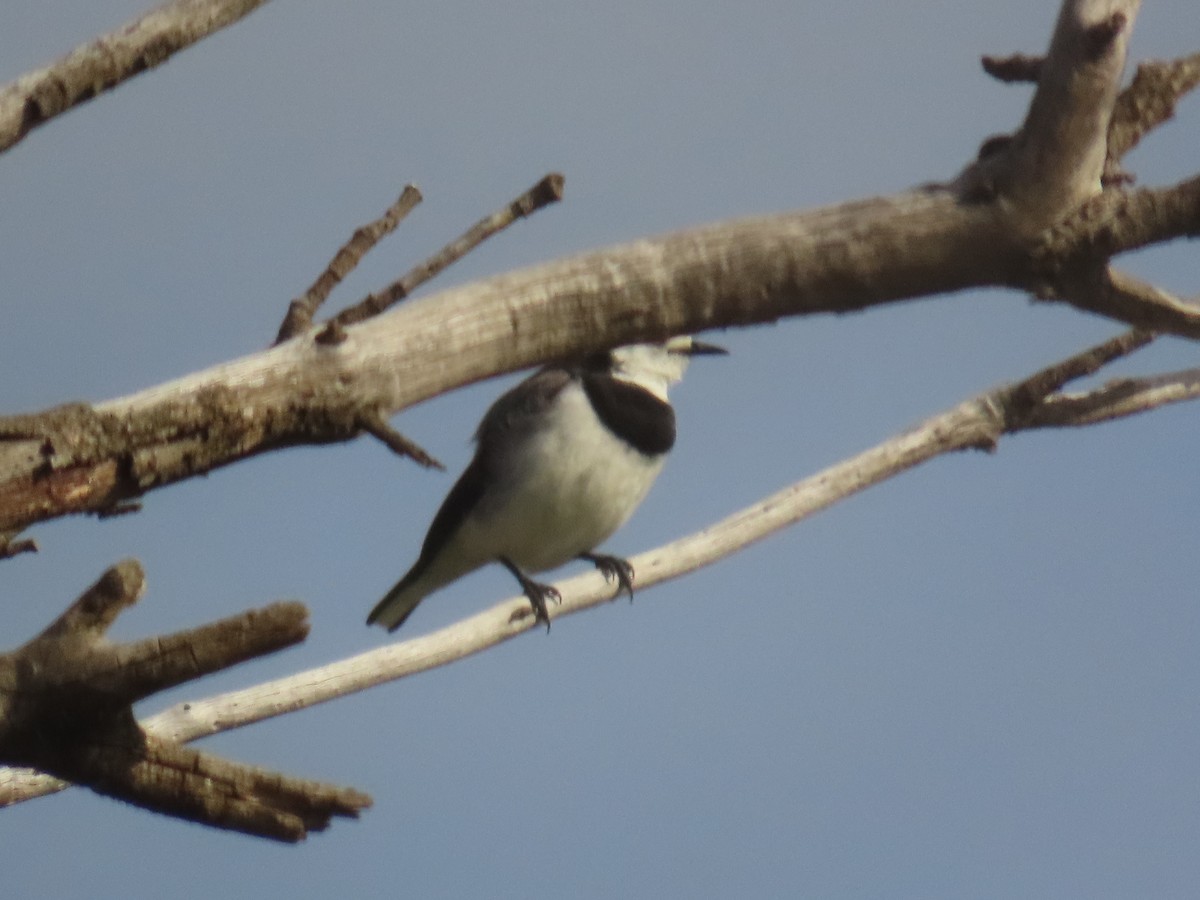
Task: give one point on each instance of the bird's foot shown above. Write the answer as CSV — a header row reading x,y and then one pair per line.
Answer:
x,y
614,569
537,593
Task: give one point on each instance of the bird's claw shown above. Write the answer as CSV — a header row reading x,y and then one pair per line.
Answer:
x,y
538,594
614,569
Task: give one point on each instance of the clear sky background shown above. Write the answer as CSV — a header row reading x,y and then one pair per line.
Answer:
x,y
978,680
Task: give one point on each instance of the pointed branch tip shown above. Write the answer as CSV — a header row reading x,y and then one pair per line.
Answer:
x,y
376,426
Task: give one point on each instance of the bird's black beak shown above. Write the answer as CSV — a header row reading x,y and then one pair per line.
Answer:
x,y
699,348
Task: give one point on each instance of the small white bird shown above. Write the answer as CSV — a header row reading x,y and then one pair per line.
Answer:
x,y
561,461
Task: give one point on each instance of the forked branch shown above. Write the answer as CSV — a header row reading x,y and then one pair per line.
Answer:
x,y
66,709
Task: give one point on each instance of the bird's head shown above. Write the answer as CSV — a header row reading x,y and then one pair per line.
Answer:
x,y
657,366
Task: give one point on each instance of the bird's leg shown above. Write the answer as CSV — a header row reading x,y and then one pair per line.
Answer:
x,y
537,592
614,568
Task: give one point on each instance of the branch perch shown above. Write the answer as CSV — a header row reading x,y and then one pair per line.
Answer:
x,y
66,708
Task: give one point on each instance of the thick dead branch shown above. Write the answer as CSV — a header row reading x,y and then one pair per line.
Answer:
x,y
979,423
301,310
79,459
76,459
66,709
102,64
548,190
1072,257
1057,157
1117,222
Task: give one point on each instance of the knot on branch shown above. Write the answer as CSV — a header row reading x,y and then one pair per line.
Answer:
x,y
66,708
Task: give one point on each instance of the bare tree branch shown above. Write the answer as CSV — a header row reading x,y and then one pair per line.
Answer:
x,y
66,708
548,190
1150,100
102,64
1057,157
79,459
1119,221
301,310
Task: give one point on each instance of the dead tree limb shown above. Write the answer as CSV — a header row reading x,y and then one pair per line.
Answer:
x,y
100,65
66,709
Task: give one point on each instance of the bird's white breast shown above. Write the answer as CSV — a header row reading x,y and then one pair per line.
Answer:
x,y
570,483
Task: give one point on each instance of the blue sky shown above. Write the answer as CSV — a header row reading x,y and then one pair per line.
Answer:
x,y
977,680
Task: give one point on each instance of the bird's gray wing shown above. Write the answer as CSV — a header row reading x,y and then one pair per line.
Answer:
x,y
461,500
518,411
514,412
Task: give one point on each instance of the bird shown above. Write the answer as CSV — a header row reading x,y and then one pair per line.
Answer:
x,y
561,462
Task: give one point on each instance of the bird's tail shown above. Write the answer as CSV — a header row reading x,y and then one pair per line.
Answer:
x,y
398,604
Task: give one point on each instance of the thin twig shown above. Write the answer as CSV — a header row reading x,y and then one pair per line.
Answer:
x,y
376,426
1118,399
1032,392
301,310
1121,296
548,190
